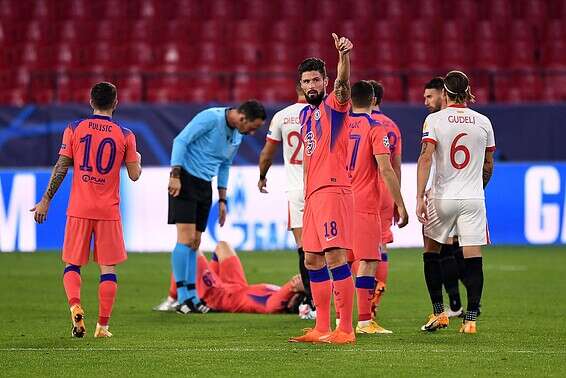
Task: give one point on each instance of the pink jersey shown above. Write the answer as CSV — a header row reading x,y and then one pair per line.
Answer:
x,y
367,138
325,141
98,147
393,133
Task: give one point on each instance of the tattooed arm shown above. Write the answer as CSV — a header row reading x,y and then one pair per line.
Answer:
x,y
487,167
423,171
342,83
57,176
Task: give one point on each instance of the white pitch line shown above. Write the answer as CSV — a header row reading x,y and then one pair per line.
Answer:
x,y
208,350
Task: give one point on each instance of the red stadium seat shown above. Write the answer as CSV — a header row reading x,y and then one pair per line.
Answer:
x,y
362,10
423,31
189,10
385,30
486,30
284,32
521,54
245,53
276,89
42,96
319,31
522,30
39,32
34,57
455,32
141,30
140,55
465,9
421,57
454,55
487,55
497,10
221,10
555,30
256,10
212,31
554,55
395,10
430,10
280,54
392,88
65,57
536,11
558,84
481,95
172,56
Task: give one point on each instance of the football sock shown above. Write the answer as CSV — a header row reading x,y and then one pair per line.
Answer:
x,y
214,263
106,295
344,295
179,262
382,270
459,256
365,289
191,275
450,274
433,278
321,288
305,277
173,287
72,284
474,285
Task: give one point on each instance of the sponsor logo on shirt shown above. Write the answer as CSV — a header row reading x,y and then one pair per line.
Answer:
x,y
386,141
93,179
310,143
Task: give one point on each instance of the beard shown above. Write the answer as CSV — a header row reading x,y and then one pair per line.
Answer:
x,y
314,99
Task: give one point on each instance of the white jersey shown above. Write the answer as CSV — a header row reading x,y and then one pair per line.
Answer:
x,y
285,128
461,136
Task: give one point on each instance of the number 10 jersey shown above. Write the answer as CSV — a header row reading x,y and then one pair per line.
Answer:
x,y
461,136
98,146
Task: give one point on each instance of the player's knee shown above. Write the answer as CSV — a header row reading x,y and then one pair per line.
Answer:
x,y
194,242
314,261
224,250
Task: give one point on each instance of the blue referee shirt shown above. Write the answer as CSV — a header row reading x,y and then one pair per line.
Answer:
x,y
207,145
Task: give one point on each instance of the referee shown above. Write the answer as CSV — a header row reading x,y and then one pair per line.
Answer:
x,y
205,148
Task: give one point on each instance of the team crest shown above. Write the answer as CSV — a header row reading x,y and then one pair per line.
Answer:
x,y
317,114
310,143
386,141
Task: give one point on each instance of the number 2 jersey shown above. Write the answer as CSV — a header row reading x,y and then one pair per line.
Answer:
x,y
325,143
98,146
461,136
285,128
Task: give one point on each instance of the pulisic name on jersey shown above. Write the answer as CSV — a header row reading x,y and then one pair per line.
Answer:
x,y
462,119
99,127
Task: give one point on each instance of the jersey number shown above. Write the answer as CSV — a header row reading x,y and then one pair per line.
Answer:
x,y
290,136
461,148
356,138
102,169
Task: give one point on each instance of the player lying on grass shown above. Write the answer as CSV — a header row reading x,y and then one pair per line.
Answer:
x,y
222,284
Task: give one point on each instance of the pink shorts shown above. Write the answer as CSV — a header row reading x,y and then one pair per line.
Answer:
x,y
386,214
327,221
367,236
108,238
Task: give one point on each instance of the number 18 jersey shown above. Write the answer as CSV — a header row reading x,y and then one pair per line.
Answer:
x,y
285,127
461,136
98,146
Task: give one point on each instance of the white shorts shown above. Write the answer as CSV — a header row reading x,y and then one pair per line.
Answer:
x,y
466,217
296,208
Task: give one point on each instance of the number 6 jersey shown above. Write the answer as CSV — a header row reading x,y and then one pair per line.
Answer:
x,y
285,128
98,146
461,136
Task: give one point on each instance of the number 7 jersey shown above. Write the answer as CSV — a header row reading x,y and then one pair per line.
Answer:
x,y
461,136
98,146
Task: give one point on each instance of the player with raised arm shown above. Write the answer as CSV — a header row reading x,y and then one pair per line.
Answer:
x,y
204,149
327,221
388,212
95,147
462,142
451,255
369,163
285,128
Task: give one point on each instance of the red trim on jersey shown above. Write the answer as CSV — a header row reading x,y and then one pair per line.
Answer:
x,y
271,140
487,233
457,106
301,101
429,140
491,149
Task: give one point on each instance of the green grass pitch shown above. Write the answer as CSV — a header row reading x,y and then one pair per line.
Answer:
x,y
522,330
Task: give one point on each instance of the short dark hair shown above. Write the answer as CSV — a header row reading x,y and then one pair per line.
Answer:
x,y
457,87
252,110
435,83
103,95
377,91
312,64
362,94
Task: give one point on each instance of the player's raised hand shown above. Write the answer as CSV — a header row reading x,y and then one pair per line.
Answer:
x,y
403,217
174,186
422,213
222,211
261,185
343,44
40,211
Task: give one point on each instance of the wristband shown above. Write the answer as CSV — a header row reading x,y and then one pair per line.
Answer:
x,y
223,200
262,177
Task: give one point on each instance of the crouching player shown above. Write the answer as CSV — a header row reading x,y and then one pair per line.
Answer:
x,y
95,147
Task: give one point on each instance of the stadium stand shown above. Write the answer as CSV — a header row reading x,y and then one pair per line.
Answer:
x,y
247,46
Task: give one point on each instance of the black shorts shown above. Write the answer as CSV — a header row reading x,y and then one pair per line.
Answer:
x,y
192,205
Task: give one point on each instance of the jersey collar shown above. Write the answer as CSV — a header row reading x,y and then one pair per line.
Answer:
x,y
457,106
97,116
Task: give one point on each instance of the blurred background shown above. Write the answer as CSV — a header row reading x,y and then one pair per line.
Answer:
x,y
171,58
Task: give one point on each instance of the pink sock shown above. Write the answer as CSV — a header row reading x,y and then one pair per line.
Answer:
x,y
344,296
173,287
365,288
381,273
72,284
321,288
106,296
